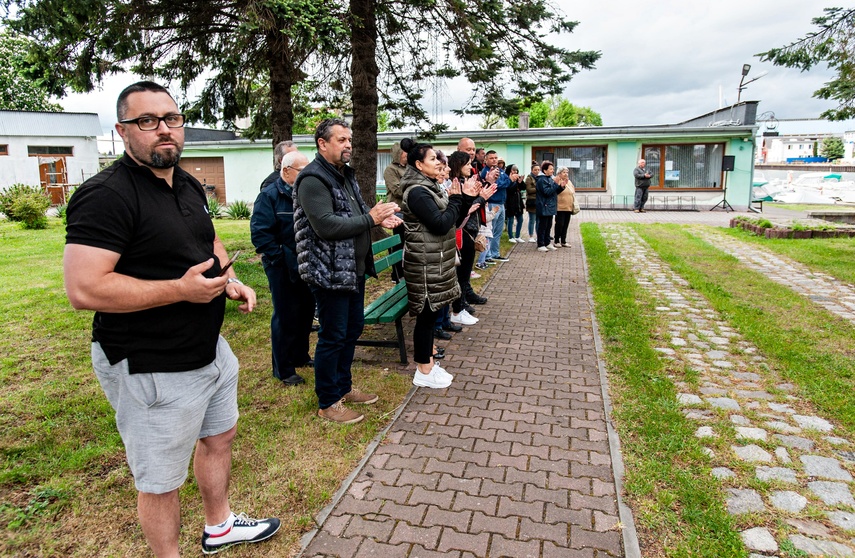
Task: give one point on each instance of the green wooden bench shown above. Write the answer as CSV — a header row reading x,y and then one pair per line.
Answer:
x,y
391,305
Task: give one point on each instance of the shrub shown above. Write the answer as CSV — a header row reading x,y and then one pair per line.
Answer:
x,y
765,223
238,210
12,193
215,210
30,209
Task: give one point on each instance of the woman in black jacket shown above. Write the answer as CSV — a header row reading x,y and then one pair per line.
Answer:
x,y
430,219
514,207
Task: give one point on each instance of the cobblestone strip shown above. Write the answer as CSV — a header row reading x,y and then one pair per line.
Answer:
x,y
512,460
787,476
830,293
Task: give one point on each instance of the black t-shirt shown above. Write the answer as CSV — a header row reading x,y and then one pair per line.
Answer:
x,y
159,232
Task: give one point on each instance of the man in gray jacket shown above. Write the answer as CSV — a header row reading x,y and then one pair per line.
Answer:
x,y
642,183
332,226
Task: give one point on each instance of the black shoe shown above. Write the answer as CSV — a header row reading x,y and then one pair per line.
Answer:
x,y
308,364
440,351
438,356
438,333
452,327
476,299
294,380
315,327
502,259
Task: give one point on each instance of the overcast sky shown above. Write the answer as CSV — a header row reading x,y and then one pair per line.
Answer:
x,y
664,64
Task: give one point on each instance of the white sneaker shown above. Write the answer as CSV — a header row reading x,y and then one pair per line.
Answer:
x,y
551,247
434,380
442,372
543,249
512,240
244,530
463,318
566,245
520,240
532,239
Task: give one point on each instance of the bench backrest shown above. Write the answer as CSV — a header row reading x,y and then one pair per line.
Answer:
x,y
385,262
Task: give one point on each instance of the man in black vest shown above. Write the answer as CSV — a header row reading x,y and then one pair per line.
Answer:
x,y
332,226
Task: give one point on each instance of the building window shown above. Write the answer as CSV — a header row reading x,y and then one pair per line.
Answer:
x,y
384,159
587,164
684,165
37,150
4,150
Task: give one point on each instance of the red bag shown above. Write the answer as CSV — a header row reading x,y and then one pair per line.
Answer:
x,y
459,236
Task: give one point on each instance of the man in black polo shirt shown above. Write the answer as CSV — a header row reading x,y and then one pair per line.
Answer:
x,y
141,251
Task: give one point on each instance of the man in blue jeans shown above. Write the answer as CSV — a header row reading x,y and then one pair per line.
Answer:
x,y
496,200
332,226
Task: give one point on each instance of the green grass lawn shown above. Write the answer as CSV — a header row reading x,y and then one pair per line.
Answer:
x,y
677,505
810,207
65,489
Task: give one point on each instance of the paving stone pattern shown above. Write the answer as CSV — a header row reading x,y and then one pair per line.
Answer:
x,y
771,437
830,293
513,459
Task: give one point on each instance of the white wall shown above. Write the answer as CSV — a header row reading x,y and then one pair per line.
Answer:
x,y
18,167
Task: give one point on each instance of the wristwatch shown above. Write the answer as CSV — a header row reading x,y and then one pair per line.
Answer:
x,y
233,280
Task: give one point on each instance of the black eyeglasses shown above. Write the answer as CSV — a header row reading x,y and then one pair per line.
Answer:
x,y
149,123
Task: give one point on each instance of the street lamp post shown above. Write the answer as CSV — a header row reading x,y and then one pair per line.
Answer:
x,y
743,84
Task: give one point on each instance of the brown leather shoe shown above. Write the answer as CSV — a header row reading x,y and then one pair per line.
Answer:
x,y
340,414
356,396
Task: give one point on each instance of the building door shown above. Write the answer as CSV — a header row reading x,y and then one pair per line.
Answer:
x,y
54,178
210,171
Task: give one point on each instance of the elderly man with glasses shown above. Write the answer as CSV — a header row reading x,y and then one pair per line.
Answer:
x,y
272,229
141,252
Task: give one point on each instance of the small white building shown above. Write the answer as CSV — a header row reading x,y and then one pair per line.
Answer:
x,y
54,150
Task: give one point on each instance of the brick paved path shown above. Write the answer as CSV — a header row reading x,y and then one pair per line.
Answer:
x,y
514,458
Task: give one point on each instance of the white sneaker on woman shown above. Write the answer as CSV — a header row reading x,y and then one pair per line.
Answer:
x,y
512,240
532,239
435,379
543,249
551,247
463,318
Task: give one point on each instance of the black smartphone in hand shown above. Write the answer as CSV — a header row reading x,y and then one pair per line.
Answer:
x,y
229,263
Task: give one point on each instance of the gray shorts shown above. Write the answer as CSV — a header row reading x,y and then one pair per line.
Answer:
x,y
160,415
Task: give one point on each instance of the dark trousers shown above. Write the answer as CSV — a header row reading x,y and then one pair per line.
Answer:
x,y
544,230
293,310
423,335
341,317
562,223
464,271
640,198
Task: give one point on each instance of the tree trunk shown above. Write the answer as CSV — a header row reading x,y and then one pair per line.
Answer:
x,y
282,77
364,72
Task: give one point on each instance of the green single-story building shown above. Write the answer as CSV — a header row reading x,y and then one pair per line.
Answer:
x,y
687,160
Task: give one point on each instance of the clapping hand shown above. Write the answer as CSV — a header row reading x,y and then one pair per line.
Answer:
x,y
391,222
471,187
488,192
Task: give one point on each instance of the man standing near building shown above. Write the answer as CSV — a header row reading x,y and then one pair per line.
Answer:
x,y
279,152
332,225
480,160
392,175
141,251
642,184
497,200
272,230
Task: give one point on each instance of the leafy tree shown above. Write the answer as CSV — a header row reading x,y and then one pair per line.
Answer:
x,y
832,43
234,46
832,148
558,113
399,47
16,91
